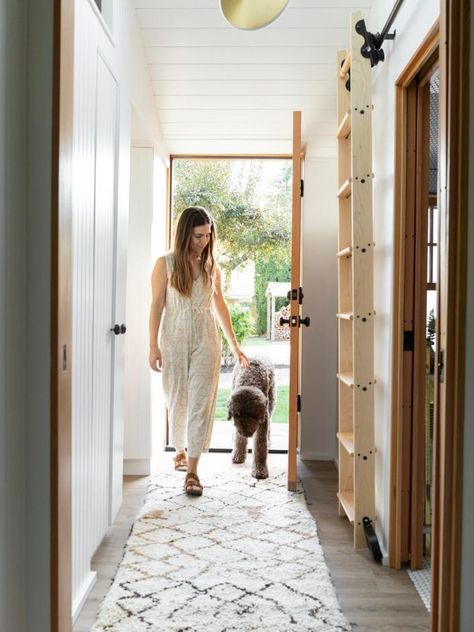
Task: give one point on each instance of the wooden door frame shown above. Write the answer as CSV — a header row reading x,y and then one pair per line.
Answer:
x,y
61,319
452,32
404,218
297,157
409,312
453,204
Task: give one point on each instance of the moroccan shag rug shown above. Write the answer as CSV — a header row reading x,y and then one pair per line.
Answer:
x,y
244,557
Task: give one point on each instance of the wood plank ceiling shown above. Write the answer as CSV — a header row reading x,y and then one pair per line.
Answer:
x,y
222,90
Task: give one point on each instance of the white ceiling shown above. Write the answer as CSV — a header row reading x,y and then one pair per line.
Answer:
x,y
222,90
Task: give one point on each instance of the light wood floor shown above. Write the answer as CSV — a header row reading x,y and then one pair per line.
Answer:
x,y
373,597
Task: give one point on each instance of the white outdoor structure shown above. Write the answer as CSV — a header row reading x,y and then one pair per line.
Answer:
x,y
274,290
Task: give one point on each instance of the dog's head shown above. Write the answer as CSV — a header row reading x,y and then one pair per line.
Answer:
x,y
247,406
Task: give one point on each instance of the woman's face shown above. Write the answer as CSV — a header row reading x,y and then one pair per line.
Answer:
x,y
200,237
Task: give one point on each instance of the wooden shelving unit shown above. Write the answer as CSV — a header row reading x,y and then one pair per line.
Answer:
x,y
355,288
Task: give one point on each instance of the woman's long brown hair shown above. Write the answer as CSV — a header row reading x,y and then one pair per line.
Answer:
x,y
182,275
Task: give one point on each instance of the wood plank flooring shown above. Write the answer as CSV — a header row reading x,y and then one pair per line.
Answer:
x,y
373,597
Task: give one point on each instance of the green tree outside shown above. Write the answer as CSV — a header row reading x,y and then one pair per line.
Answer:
x,y
250,226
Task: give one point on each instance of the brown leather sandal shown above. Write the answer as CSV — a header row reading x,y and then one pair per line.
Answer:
x,y
180,462
192,484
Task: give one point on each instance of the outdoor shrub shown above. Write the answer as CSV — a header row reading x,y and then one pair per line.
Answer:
x,y
243,325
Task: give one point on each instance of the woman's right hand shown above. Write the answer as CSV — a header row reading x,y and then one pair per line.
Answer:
x,y
154,358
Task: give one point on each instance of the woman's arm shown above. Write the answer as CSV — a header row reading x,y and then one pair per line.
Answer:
x,y
159,281
223,316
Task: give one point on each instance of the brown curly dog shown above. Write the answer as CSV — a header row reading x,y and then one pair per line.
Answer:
x,y
250,405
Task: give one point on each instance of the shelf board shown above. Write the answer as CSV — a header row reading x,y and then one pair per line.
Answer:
x,y
346,378
346,498
344,128
345,252
346,189
347,440
345,316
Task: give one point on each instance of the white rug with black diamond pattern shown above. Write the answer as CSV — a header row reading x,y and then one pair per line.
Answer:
x,y
244,557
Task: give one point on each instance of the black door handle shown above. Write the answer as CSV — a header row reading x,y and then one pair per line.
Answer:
x,y
119,329
284,321
305,321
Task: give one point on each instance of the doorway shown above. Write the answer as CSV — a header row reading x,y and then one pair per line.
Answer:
x,y
251,201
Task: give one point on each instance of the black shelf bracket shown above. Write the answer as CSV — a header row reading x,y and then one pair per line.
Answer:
x,y
372,47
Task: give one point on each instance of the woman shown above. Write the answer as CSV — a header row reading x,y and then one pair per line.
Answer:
x,y
186,284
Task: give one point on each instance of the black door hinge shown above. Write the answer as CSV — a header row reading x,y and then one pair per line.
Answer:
x,y
293,295
302,188
441,366
408,340
298,403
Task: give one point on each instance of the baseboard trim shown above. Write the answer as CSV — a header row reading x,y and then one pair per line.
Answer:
x,y
316,456
137,467
81,599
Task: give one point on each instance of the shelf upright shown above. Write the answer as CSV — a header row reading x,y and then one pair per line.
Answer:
x,y
355,314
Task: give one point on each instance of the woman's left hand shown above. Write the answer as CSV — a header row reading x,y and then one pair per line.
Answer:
x,y
240,356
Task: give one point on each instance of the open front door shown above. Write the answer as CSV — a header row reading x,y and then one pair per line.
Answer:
x,y
296,299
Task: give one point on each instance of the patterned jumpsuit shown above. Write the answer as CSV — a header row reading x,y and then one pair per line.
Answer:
x,y
190,345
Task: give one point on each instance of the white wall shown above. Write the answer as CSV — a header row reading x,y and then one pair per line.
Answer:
x,y
25,224
137,411
13,316
144,410
412,24
467,549
319,360
37,355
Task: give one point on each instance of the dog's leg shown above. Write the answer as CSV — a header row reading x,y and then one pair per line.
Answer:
x,y
240,448
260,450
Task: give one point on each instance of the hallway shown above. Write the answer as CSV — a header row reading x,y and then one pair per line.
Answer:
x,y
374,598
97,99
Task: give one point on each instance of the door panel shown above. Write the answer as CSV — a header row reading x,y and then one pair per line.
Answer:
x,y
296,283
104,255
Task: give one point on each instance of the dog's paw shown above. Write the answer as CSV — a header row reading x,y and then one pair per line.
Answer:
x,y
238,457
260,471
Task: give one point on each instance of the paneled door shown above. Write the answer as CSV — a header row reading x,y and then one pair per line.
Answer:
x,y
104,281
296,300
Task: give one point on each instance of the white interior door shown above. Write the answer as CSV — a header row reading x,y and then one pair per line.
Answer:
x,y
104,281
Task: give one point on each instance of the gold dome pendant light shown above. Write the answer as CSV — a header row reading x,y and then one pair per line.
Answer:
x,y
252,14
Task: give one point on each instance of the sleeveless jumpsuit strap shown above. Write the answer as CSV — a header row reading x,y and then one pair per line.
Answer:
x,y
169,263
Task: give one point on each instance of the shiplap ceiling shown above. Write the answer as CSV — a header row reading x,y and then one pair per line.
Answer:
x,y
222,90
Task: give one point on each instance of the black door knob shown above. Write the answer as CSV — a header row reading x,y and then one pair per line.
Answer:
x,y
123,329
305,321
116,329
284,321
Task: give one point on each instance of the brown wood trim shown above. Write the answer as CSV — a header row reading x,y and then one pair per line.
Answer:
x,y
453,204
295,332
419,323
421,57
395,546
61,318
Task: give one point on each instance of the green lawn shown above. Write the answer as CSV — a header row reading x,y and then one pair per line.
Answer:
x,y
280,413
